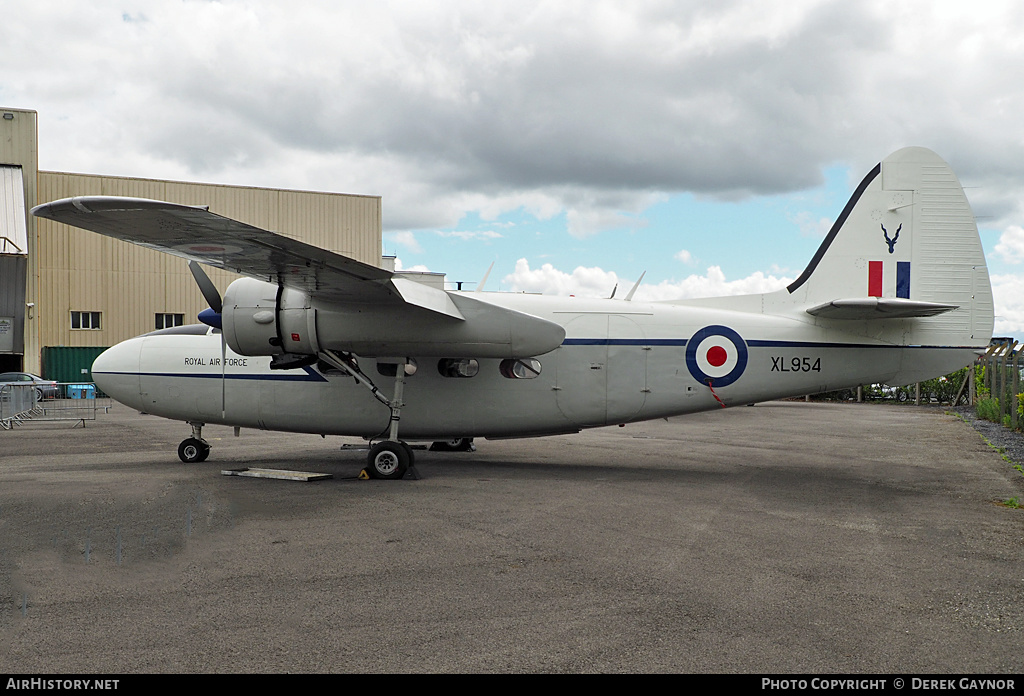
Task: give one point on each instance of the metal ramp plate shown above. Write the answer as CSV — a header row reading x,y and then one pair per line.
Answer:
x,y
277,474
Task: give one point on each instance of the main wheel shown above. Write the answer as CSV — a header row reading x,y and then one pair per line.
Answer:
x,y
457,444
388,460
193,451
39,394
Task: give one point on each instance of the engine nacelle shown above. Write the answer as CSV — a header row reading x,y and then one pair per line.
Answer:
x,y
260,318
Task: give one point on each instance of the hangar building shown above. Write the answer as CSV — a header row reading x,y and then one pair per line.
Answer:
x,y
66,294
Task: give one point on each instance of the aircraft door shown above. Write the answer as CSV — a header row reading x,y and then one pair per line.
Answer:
x,y
581,384
627,369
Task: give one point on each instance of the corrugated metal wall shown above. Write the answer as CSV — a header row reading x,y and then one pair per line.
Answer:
x,y
82,271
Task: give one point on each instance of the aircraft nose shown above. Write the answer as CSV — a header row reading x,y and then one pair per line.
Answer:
x,y
116,371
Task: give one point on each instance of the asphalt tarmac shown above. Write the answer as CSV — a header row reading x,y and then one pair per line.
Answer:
x,y
786,537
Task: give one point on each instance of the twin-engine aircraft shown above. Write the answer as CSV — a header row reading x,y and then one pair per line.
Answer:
x,y
315,342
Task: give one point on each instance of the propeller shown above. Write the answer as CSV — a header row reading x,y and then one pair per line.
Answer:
x,y
212,317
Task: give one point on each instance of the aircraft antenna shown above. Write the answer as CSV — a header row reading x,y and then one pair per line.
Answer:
x,y
480,285
629,295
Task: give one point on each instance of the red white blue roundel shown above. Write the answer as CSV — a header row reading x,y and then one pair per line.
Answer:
x,y
716,354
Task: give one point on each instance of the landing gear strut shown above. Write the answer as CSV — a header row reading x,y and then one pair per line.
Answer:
x,y
194,449
391,458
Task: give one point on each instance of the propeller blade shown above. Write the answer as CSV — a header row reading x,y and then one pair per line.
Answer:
x,y
206,286
223,376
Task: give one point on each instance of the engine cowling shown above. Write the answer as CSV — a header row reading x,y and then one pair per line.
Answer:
x,y
263,319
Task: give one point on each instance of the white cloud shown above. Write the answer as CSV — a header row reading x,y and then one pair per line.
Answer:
x,y
684,256
596,282
811,226
548,280
712,284
467,235
407,240
418,268
1011,244
1008,293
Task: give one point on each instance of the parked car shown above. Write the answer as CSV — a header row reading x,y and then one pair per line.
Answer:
x,y
45,388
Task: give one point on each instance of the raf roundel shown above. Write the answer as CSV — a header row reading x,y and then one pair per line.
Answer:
x,y
716,355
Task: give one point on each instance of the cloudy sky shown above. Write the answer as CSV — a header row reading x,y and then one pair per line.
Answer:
x,y
574,144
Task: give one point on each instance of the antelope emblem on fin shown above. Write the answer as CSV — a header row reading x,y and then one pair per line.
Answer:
x,y
891,242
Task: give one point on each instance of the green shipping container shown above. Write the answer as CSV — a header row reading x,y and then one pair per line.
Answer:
x,y
69,364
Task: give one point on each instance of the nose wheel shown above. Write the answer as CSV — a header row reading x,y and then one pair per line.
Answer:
x,y
194,449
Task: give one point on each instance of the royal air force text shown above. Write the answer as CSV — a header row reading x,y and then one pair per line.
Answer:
x,y
215,362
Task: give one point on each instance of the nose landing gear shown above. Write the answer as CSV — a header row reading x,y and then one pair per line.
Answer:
x,y
194,449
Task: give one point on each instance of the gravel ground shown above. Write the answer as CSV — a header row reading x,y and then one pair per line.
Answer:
x,y
1010,441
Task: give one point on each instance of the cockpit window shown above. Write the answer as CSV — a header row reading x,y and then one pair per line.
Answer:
x,y
190,330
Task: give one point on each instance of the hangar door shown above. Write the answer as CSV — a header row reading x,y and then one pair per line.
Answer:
x,y
13,267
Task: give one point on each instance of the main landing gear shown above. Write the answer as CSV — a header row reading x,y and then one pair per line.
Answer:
x,y
458,444
194,449
391,458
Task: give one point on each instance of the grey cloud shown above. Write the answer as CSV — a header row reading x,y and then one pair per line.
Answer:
x,y
585,102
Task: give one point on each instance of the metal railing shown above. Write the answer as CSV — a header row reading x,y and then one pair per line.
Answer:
x,y
69,401
16,403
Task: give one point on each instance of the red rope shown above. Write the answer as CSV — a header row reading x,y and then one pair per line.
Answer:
x,y
714,394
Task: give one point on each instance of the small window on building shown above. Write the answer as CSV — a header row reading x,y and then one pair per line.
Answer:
x,y
523,368
85,320
167,321
458,367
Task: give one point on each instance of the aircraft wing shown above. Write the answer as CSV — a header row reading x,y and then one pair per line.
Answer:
x,y
193,232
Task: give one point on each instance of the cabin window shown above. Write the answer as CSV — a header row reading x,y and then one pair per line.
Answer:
x,y
522,368
391,369
458,367
85,320
326,368
168,321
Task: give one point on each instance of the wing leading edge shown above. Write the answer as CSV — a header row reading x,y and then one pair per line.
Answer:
x,y
194,233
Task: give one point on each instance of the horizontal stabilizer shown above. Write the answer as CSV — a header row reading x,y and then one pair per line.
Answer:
x,y
878,308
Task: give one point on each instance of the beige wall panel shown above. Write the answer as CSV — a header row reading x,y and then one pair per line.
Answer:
x,y
129,285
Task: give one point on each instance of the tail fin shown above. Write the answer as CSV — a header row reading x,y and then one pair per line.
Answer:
x,y
905,246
